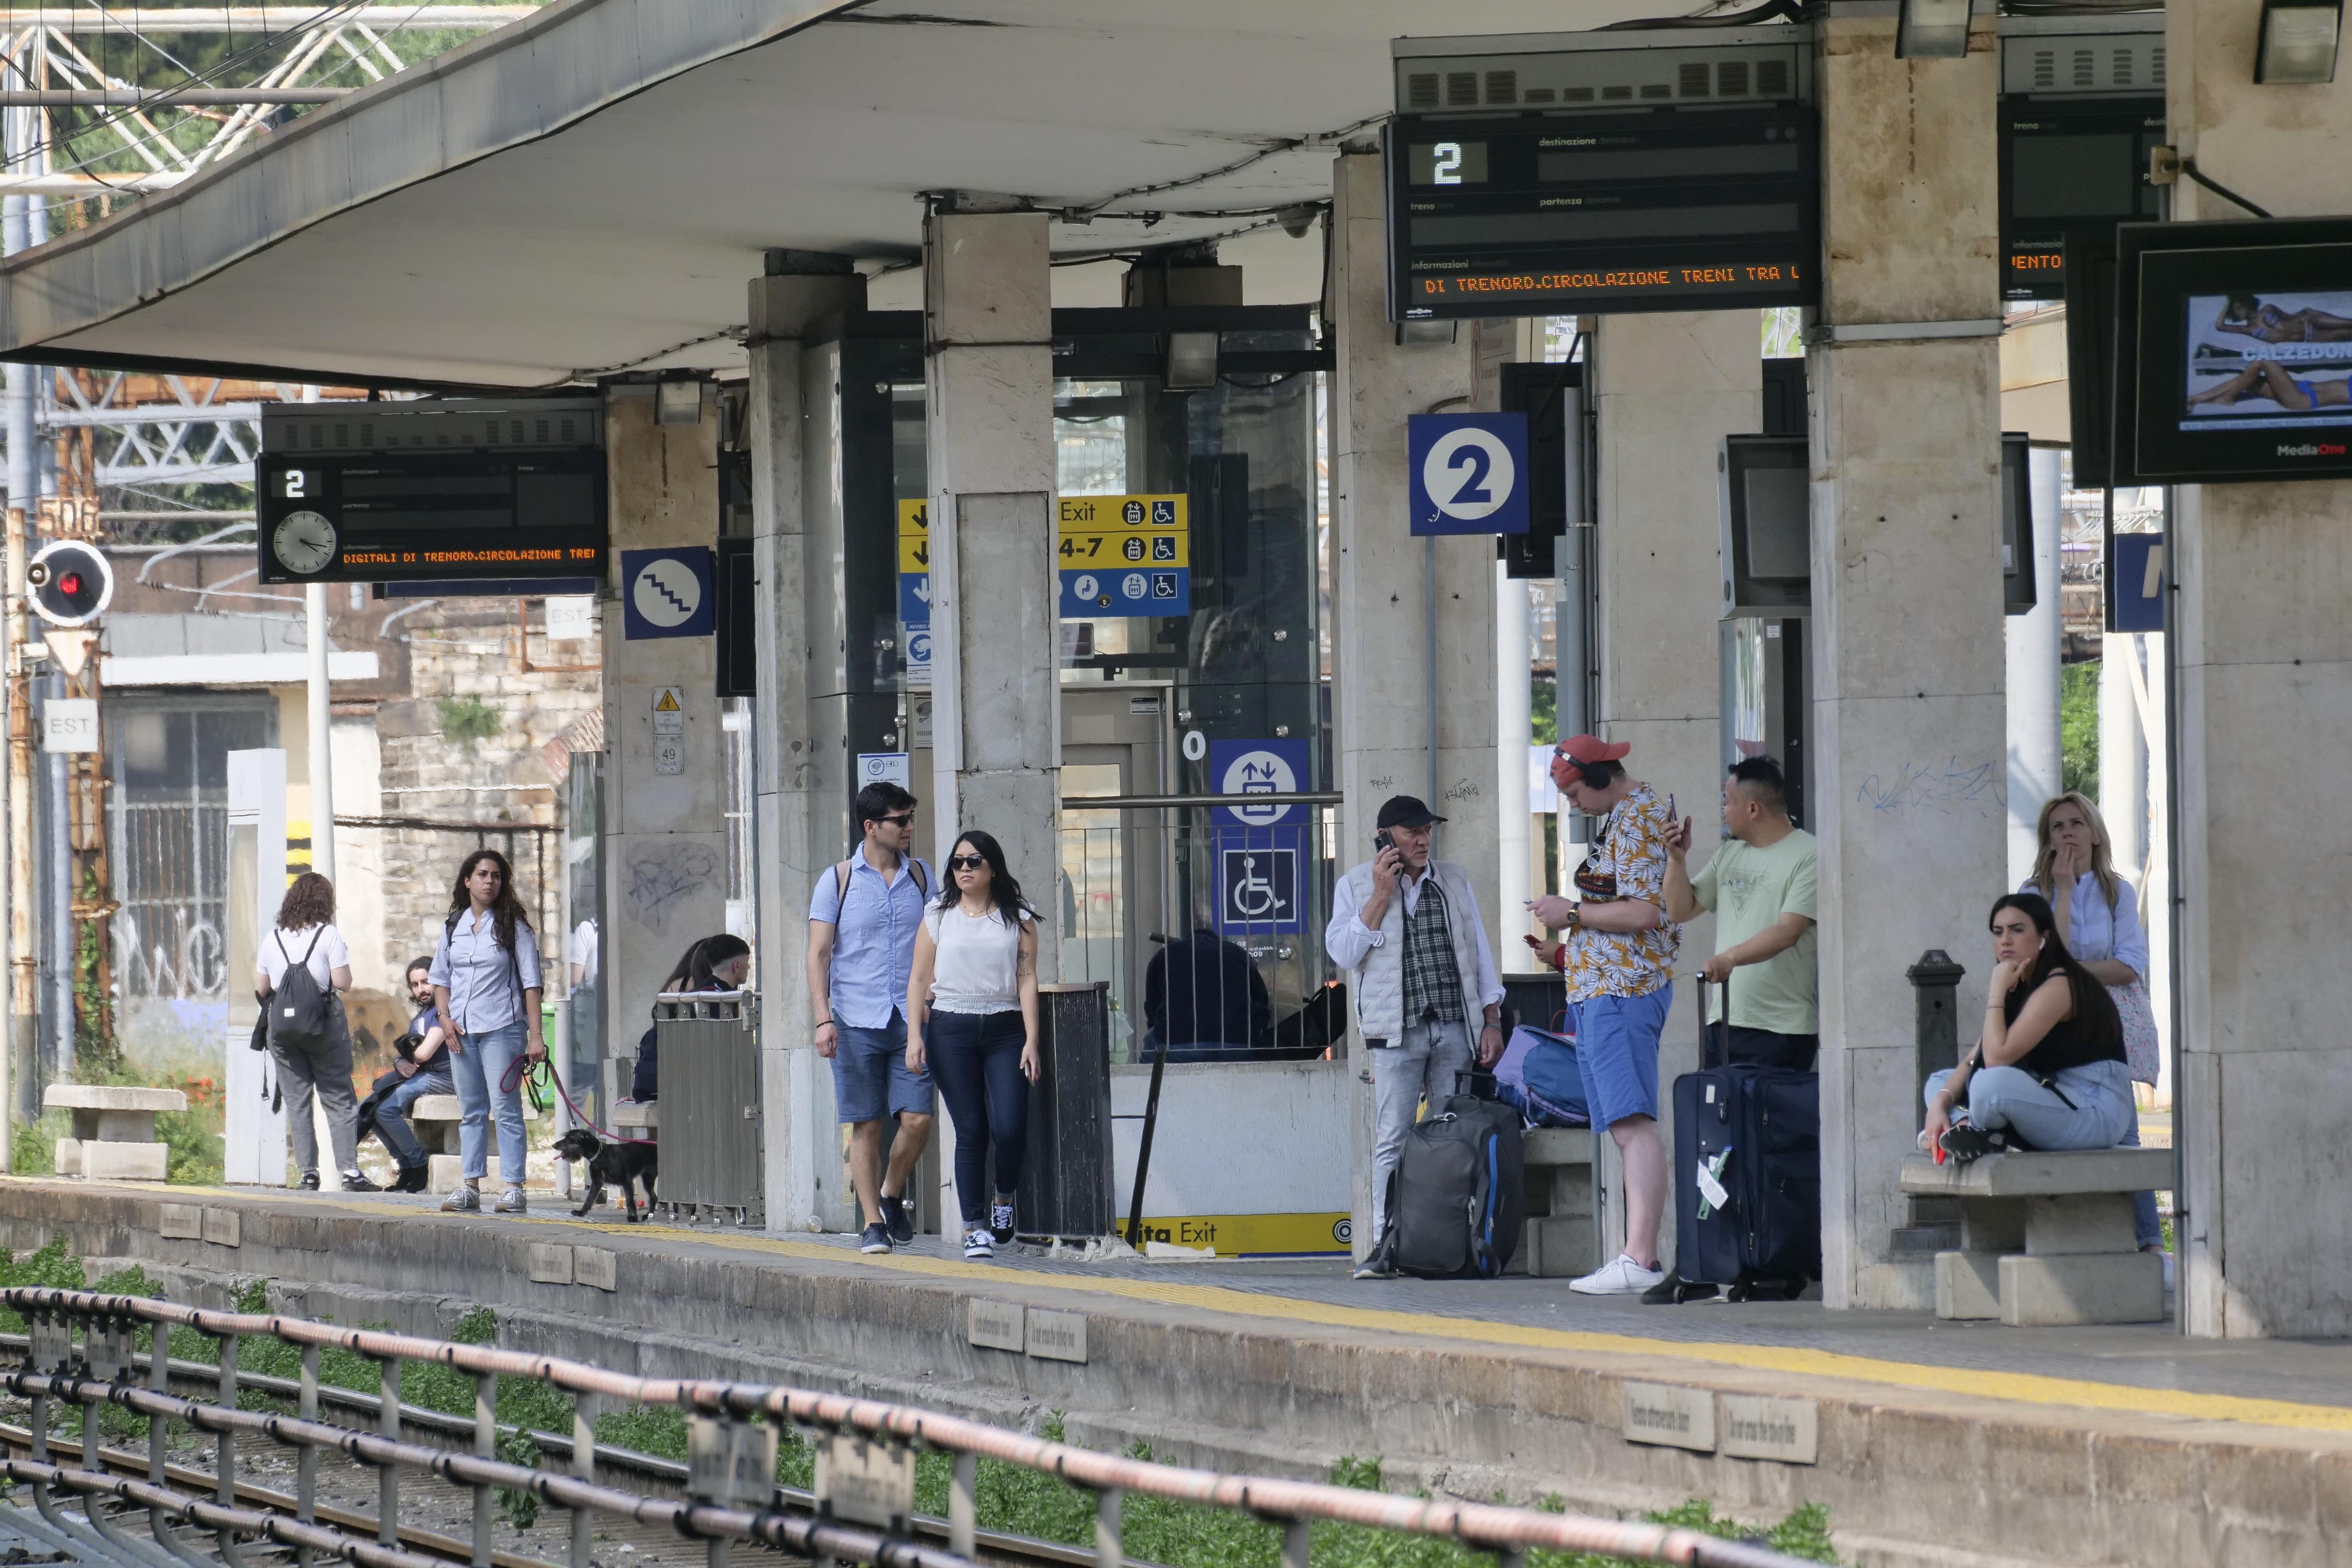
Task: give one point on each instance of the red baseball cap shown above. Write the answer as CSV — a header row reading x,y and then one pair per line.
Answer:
x,y
1593,749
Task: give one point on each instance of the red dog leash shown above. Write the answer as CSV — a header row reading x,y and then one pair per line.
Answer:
x,y
511,1081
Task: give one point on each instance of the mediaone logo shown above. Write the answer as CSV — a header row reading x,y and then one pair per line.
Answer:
x,y
2314,450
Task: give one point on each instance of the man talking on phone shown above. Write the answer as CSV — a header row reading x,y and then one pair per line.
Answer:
x,y
1407,929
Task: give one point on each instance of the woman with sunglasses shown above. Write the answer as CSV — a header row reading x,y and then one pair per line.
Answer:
x,y
972,1015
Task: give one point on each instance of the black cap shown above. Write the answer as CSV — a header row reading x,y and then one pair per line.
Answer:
x,y
1406,811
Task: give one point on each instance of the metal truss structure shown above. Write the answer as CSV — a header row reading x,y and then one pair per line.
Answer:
x,y
99,106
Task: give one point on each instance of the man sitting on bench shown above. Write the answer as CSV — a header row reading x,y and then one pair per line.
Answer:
x,y
2049,1071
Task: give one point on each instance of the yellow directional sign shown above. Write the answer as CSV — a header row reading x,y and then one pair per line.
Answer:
x,y
914,536
1111,514
1141,548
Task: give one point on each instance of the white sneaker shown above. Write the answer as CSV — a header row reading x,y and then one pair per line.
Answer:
x,y
978,1243
1620,1276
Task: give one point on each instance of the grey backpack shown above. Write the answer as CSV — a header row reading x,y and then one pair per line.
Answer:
x,y
298,1008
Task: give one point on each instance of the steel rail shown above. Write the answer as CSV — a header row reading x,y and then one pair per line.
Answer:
x,y
809,1537
1487,1526
217,1516
555,1444
189,1475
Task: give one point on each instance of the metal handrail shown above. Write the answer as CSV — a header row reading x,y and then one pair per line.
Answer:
x,y
1297,1505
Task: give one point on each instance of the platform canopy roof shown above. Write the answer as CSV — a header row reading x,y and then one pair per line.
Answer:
x,y
590,190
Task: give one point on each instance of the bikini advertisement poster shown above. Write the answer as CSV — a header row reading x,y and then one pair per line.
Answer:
x,y
2260,360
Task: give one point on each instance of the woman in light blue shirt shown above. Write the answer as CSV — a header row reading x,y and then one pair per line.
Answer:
x,y
486,987
2098,919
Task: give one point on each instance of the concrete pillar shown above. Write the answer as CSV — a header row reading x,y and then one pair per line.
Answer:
x,y
1386,671
801,789
1909,739
2036,761
996,723
996,708
1514,725
2123,757
665,833
2264,747
1670,387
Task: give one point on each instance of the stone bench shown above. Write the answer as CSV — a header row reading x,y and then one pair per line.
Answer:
x,y
113,1130
2046,1238
436,1118
636,1116
1562,1235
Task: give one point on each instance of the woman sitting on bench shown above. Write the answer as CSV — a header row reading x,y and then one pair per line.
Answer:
x,y
2048,1073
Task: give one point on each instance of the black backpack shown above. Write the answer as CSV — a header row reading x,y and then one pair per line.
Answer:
x,y
298,1008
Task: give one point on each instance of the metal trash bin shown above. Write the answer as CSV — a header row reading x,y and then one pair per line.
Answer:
x,y
1068,1185
713,1156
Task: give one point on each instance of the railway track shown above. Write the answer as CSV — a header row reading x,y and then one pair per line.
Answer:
x,y
644,1544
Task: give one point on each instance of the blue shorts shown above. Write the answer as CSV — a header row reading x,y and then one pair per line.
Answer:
x,y
870,1080
1617,1049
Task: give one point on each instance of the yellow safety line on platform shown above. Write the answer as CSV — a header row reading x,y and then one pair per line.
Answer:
x,y
2020,1387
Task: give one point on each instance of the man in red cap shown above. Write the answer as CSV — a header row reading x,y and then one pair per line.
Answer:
x,y
1619,956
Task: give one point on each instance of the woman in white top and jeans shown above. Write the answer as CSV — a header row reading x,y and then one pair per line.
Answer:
x,y
2098,917
306,934
971,1011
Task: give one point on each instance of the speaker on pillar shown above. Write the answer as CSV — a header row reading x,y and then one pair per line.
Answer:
x,y
1552,397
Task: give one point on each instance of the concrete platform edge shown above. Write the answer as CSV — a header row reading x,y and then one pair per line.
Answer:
x,y
1897,1465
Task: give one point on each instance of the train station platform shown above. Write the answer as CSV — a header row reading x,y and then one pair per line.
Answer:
x,y
1931,1442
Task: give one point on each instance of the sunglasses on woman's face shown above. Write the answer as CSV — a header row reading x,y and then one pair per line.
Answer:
x,y
966,863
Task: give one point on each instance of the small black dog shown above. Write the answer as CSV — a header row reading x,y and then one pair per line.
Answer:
x,y
615,1164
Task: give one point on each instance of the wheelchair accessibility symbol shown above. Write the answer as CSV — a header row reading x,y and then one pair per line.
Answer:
x,y
1260,886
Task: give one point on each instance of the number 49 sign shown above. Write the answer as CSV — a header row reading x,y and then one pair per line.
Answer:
x,y
1468,472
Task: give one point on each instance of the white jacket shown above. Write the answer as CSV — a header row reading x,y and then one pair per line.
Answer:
x,y
1379,967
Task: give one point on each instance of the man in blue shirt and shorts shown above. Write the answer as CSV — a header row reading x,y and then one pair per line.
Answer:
x,y
863,914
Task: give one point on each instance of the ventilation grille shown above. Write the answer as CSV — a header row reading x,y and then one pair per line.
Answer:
x,y
2083,66
432,424
1750,71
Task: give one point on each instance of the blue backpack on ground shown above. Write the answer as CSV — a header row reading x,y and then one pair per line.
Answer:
x,y
1538,1078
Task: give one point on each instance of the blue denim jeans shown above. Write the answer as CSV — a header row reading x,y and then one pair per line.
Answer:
x,y
975,1060
392,1111
478,1068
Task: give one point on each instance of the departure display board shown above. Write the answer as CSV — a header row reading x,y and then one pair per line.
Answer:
x,y
430,490
2070,169
1549,214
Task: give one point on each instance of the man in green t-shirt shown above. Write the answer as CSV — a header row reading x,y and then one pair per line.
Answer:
x,y
1759,882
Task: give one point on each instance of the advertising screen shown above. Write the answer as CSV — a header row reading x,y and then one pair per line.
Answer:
x,y
2241,360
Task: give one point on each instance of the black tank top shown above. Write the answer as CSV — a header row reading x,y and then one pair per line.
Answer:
x,y
2072,1042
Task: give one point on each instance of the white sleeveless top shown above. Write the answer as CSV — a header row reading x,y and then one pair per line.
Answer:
x,y
977,969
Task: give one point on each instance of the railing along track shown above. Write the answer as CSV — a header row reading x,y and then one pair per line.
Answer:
x,y
870,1447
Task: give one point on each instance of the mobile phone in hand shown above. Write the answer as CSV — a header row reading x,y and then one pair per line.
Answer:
x,y
1381,840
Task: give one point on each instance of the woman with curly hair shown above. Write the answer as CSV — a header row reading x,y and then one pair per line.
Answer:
x,y
309,1037
486,985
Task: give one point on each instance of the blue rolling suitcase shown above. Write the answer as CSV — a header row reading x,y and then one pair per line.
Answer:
x,y
1748,1175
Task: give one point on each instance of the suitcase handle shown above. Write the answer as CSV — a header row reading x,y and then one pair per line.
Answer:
x,y
1714,1039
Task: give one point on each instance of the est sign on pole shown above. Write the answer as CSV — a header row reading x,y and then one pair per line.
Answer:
x,y
1468,472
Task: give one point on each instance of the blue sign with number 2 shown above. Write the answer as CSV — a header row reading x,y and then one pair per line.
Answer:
x,y
1467,472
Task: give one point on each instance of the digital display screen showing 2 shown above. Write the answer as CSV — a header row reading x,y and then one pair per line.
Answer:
x,y
1545,213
